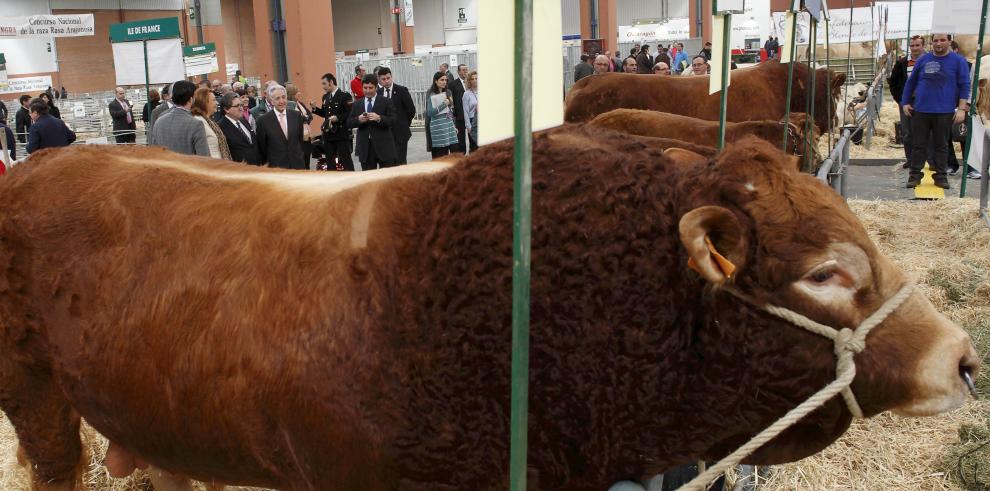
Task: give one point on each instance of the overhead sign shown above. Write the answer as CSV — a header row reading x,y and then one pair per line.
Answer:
x,y
200,59
47,26
164,28
673,30
27,84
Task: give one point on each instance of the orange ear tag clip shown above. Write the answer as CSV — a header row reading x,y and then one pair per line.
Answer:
x,y
723,264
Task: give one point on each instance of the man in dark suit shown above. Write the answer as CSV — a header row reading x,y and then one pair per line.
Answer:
x,y
373,117
22,119
457,88
241,142
404,108
280,133
47,131
336,135
122,113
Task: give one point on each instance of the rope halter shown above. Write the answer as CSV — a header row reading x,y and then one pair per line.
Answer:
x,y
847,342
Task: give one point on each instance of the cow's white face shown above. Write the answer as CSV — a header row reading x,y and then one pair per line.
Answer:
x,y
934,352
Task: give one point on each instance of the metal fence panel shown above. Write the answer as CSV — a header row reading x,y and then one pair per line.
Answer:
x,y
413,72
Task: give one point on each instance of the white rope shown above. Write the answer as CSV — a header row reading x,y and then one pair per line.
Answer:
x,y
847,342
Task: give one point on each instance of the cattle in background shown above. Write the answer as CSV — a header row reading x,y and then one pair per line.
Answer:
x,y
757,94
983,94
703,132
320,331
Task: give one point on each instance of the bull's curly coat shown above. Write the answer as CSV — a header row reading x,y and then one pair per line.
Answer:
x,y
251,327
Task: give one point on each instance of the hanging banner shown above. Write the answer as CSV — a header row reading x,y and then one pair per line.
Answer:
x,y
27,84
47,26
408,10
958,17
163,28
200,59
676,29
164,62
864,26
922,14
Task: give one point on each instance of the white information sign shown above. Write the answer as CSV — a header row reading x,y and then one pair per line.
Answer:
x,y
47,26
27,84
165,63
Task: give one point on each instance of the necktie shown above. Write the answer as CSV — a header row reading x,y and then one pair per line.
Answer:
x,y
368,105
245,131
281,122
128,113
388,93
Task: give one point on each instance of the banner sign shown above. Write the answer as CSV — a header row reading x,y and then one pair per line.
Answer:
x,y
673,30
164,28
408,9
864,26
200,59
165,64
27,84
47,26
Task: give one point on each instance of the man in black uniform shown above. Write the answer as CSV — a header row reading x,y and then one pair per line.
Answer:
x,y
404,107
336,135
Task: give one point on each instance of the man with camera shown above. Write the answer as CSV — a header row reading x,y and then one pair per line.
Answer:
x,y
336,135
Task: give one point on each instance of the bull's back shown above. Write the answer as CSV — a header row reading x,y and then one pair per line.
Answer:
x,y
183,301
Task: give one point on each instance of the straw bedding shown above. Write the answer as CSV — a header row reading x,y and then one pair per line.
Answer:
x,y
947,251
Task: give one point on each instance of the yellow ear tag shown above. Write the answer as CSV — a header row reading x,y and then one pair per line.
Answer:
x,y
724,264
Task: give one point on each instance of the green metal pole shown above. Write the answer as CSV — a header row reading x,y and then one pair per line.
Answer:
x,y
726,65
910,11
813,75
522,228
147,86
790,77
845,97
972,102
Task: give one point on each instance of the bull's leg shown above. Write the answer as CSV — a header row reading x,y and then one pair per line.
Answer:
x,y
47,427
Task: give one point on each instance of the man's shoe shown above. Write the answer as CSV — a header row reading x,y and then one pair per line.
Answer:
x,y
913,182
974,175
906,164
953,172
942,183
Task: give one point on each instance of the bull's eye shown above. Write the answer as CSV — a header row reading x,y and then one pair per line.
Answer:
x,y
822,276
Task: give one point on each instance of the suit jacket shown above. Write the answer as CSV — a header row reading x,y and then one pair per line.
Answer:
x,y
457,88
241,148
260,109
155,114
404,108
22,122
274,147
48,132
379,133
11,145
179,131
119,116
339,105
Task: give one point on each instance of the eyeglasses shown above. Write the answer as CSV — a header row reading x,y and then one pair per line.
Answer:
x,y
236,105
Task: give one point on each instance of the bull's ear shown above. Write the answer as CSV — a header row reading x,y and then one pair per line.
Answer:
x,y
714,242
838,80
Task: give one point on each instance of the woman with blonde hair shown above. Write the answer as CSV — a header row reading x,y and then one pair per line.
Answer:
x,y
203,106
470,104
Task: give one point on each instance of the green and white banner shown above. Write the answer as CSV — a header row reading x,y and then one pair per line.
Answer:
x,y
200,59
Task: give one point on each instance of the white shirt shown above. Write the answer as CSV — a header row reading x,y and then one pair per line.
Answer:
x,y
386,91
365,102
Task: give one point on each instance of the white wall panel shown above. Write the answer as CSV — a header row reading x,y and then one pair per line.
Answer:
x,y
571,12
29,55
429,21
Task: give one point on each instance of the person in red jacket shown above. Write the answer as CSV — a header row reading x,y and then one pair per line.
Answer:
x,y
356,89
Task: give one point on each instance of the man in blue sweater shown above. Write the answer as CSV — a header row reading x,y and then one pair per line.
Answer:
x,y
935,96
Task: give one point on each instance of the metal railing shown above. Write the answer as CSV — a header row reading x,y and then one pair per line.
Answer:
x,y
834,170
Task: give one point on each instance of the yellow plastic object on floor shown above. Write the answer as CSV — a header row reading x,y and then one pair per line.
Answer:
x,y
927,189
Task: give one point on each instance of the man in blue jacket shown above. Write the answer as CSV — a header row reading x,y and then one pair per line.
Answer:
x,y
47,131
935,96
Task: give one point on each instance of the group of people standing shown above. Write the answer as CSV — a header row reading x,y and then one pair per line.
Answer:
x,y
38,123
671,60
274,129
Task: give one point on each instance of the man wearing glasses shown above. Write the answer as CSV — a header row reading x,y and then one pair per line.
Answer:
x,y
661,69
241,141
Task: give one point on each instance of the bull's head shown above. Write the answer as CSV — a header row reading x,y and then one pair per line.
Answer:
x,y
794,243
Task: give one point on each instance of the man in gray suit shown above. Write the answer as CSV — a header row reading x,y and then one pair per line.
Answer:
x,y
158,111
177,129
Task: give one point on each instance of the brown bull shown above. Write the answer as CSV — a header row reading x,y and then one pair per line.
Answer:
x,y
757,94
703,132
352,331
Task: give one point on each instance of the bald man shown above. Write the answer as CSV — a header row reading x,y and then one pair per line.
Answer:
x,y
661,69
601,64
122,113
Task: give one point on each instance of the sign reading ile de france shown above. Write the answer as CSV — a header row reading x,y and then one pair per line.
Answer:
x,y
164,28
